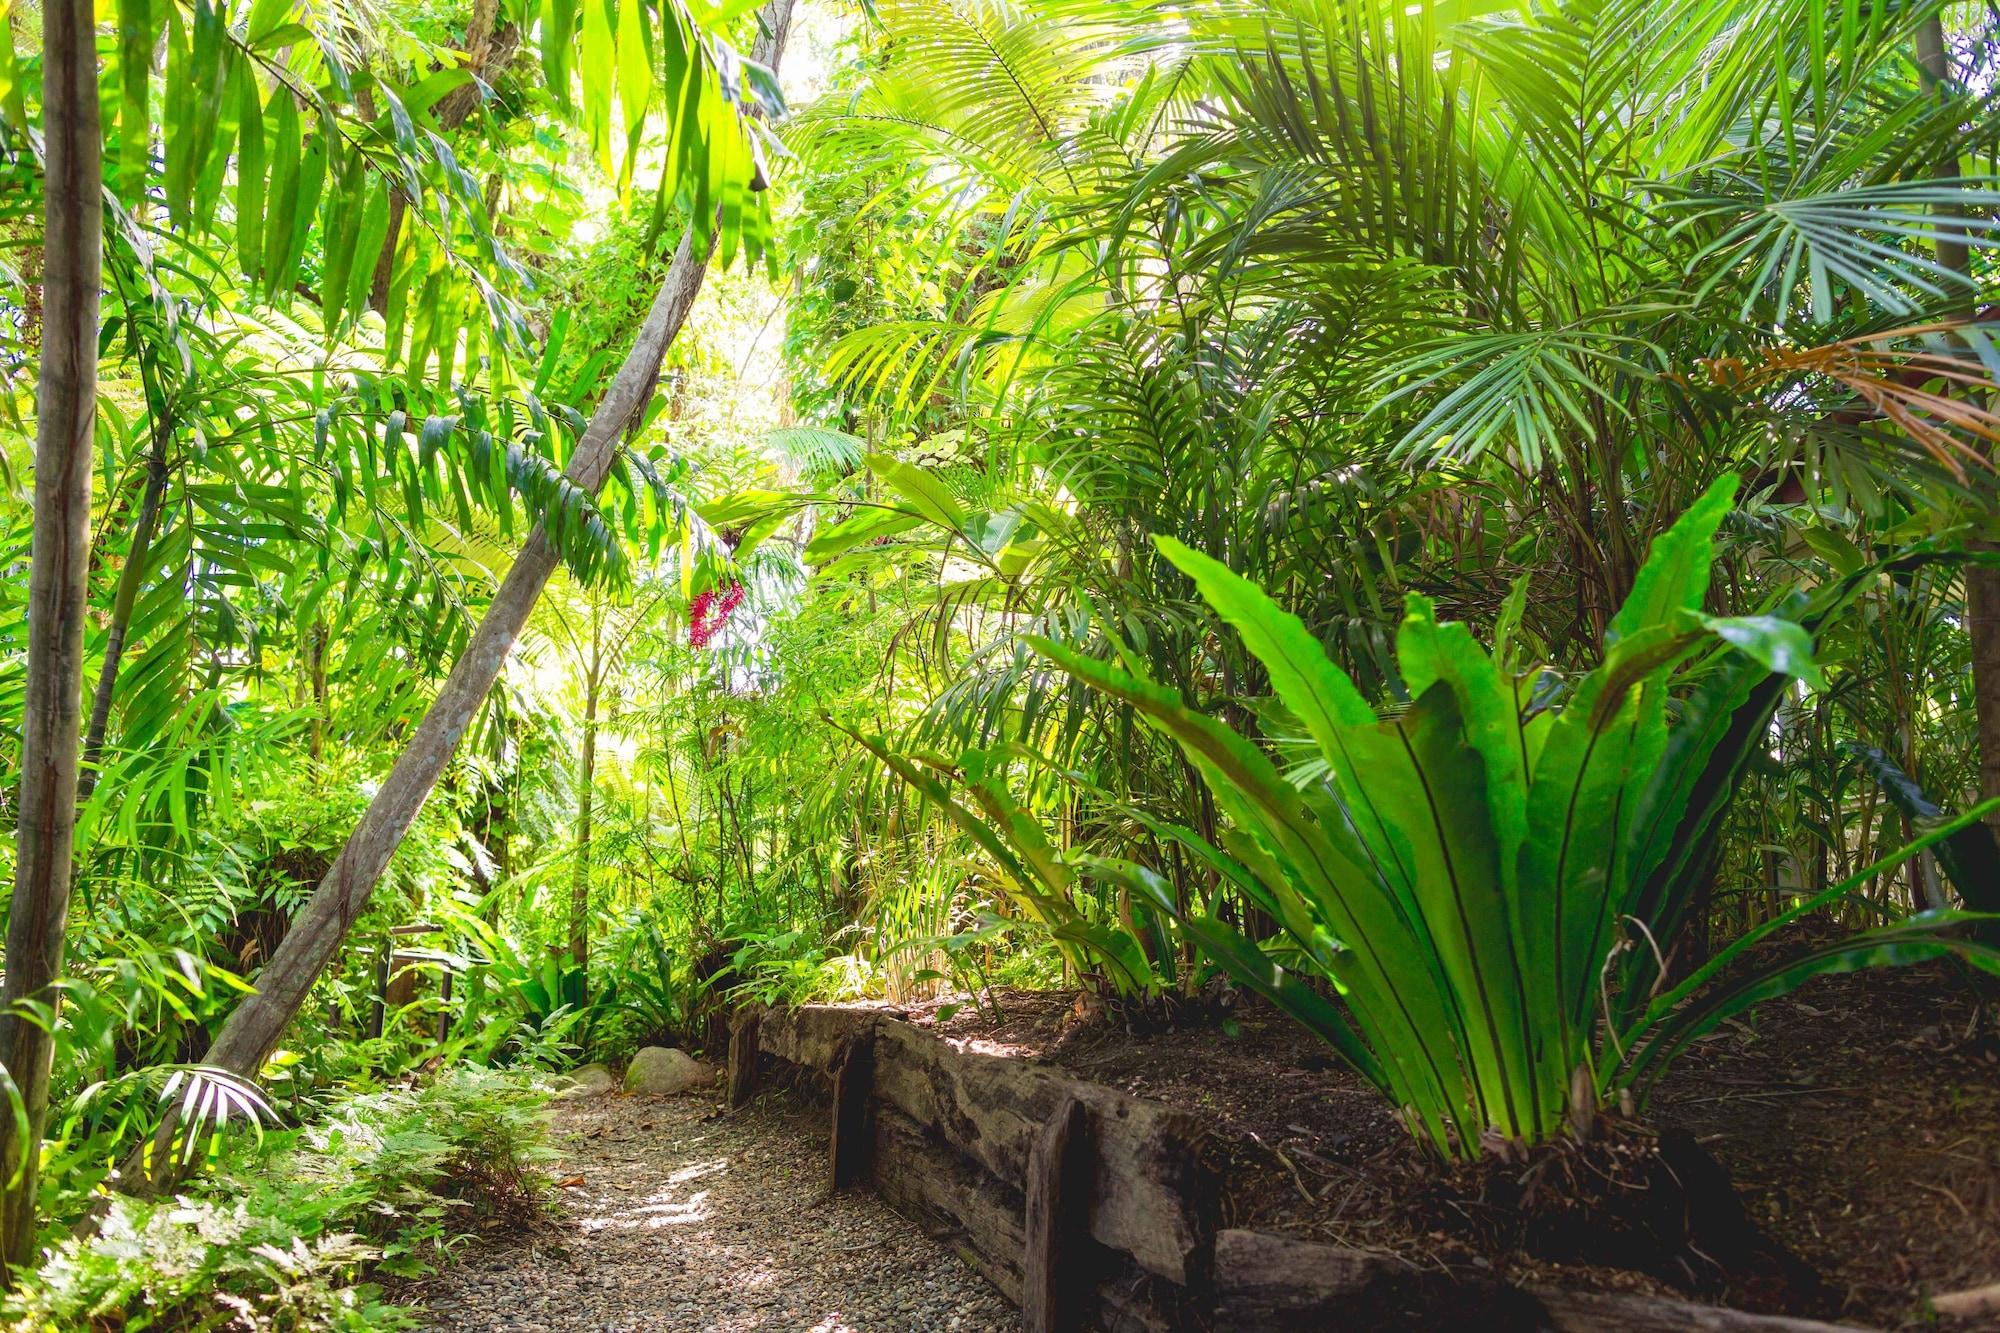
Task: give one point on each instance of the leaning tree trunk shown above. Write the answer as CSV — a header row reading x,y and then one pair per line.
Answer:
x,y
254,1026
66,412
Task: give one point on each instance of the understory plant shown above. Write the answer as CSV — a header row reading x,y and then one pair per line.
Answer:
x,y
1039,882
1491,881
291,1231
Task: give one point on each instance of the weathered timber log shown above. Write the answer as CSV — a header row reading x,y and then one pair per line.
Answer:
x,y
1610,1312
743,1055
1268,1282
1151,1196
981,1219
811,1037
1060,1167
848,1149
957,1139
950,1197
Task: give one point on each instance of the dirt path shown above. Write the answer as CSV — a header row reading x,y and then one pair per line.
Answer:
x,y
677,1216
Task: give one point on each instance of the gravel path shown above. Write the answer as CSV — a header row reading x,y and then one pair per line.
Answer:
x,y
677,1216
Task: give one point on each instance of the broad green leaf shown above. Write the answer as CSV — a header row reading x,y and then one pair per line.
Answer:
x,y
250,173
1319,693
597,55
865,526
635,81
925,494
1675,575
1776,644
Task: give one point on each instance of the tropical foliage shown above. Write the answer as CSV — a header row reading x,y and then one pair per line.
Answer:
x,y
1469,520
1485,879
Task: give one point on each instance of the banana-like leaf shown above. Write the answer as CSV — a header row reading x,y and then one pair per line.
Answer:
x,y
1393,985
1675,575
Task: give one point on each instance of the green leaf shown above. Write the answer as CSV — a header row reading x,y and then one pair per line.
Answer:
x,y
136,35
1393,987
1776,644
1319,693
1675,575
1921,938
282,198
597,54
635,81
927,496
266,16
369,239
250,173
1249,966
1841,554
865,526
1970,856
342,235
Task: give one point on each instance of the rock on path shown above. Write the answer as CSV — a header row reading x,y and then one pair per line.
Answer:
x,y
677,1216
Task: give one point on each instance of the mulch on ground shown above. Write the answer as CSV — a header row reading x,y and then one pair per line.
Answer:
x,y
1859,1119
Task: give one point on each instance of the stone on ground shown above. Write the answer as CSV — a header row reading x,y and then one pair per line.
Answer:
x,y
663,1071
591,1080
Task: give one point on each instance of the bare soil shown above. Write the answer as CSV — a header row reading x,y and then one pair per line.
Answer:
x,y
1858,1118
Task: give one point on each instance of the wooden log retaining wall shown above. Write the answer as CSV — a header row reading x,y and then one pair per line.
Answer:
x,y
1092,1209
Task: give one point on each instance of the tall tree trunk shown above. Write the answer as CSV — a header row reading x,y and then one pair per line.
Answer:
x,y
315,646
1982,583
1982,624
66,410
488,49
586,795
254,1026
129,580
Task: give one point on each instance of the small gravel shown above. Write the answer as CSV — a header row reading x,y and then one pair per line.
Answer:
x,y
674,1214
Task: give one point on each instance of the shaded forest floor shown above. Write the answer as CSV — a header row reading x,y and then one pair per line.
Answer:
x,y
1859,1119
672,1215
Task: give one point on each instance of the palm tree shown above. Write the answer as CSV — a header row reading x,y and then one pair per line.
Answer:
x,y
1366,298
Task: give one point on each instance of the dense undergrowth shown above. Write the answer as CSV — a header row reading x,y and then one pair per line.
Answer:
x,y
298,1229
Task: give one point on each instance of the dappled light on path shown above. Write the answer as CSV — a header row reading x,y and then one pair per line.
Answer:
x,y
674,1215
660,1209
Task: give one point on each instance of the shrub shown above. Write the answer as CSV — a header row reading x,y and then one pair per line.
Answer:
x,y
1491,885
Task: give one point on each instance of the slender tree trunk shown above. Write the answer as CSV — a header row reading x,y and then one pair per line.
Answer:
x,y
1982,584
66,410
254,1026
586,796
488,49
129,580
1982,623
316,644
256,1023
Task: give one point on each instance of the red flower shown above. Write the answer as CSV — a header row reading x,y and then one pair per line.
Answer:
x,y
708,613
